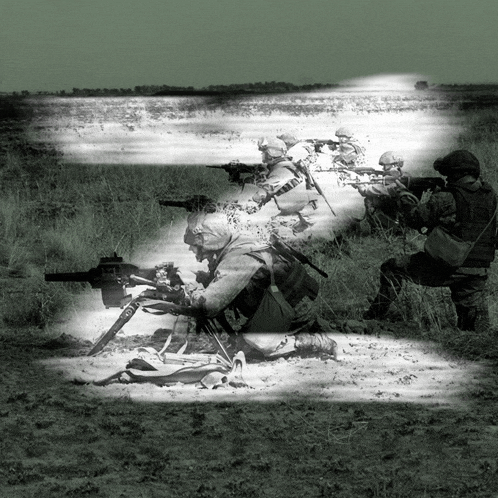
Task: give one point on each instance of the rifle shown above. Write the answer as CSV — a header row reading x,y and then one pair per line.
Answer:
x,y
362,175
195,203
419,185
236,169
320,191
318,143
206,204
288,251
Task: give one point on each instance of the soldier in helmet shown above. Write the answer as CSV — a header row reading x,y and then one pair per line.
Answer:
x,y
348,153
465,208
298,151
381,208
286,185
239,277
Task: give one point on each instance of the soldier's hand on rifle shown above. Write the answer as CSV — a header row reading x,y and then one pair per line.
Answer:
x,y
202,277
426,195
260,197
251,207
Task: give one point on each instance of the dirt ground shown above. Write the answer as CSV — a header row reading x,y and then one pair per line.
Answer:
x,y
368,368
392,417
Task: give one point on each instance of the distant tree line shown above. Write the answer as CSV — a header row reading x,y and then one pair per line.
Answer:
x,y
236,88
148,90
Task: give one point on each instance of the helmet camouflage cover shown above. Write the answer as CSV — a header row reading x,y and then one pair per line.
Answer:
x,y
391,158
344,132
207,230
274,147
288,139
458,163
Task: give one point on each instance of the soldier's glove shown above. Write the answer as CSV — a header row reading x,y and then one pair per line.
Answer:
x,y
405,198
261,197
251,207
202,277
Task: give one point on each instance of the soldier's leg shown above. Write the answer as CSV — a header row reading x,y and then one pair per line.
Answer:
x,y
468,295
392,274
312,339
417,268
306,217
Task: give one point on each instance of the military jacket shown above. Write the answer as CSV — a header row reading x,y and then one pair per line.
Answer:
x,y
463,208
239,278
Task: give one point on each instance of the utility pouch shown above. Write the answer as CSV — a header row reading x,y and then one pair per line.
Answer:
x,y
447,248
299,284
274,314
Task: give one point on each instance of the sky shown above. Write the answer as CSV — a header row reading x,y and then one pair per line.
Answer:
x,y
51,45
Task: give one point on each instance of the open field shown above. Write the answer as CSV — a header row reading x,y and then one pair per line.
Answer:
x,y
161,130
409,410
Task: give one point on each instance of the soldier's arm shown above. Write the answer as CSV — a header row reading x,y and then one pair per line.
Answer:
x,y
273,183
231,276
439,209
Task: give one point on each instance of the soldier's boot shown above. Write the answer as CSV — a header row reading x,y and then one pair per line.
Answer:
x,y
474,318
391,283
379,307
302,224
466,317
315,344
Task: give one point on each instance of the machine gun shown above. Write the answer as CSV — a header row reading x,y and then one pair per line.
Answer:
x,y
236,169
318,143
113,277
418,185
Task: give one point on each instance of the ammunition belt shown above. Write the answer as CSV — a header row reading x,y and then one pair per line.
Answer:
x,y
290,184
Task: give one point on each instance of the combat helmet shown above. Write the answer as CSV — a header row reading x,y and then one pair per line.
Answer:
x,y
391,158
210,231
457,164
344,132
288,139
274,147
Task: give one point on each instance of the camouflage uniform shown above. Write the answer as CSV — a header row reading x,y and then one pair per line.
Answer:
x,y
286,185
237,279
464,208
299,152
381,207
349,153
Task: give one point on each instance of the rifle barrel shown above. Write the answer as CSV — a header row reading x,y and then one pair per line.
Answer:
x,y
172,203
